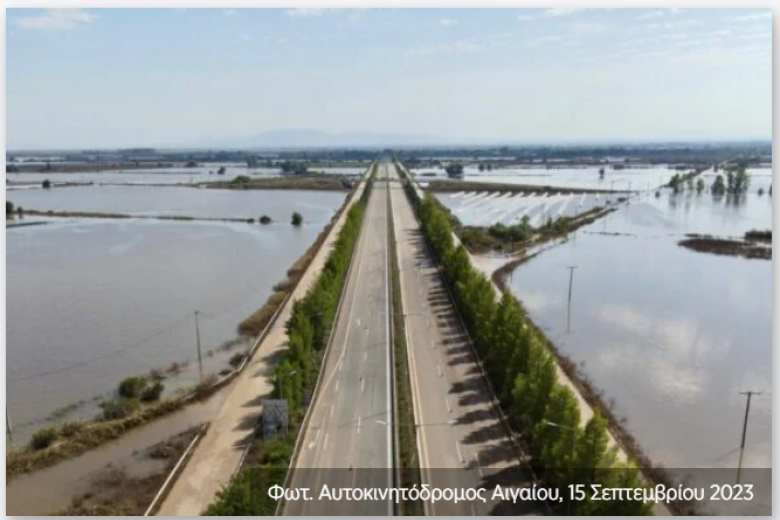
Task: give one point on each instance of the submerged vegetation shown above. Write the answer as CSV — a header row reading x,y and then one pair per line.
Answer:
x,y
749,248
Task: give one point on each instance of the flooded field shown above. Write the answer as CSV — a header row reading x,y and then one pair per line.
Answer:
x,y
120,297
73,478
635,178
175,175
670,335
317,207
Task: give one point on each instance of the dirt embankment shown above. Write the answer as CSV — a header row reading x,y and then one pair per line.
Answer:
x,y
290,182
756,248
456,186
81,167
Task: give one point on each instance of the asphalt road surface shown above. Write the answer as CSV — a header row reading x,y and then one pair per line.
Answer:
x,y
350,428
461,441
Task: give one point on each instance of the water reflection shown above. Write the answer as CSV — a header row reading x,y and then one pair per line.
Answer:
x,y
670,335
91,302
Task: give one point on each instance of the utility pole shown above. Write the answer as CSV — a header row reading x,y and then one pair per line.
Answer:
x,y
749,395
9,429
571,269
197,339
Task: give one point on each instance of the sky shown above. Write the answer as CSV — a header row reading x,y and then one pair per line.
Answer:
x,y
103,78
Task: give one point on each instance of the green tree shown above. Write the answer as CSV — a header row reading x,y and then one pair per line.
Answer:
x,y
9,207
454,169
700,185
718,187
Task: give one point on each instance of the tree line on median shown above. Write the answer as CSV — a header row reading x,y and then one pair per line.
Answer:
x,y
523,373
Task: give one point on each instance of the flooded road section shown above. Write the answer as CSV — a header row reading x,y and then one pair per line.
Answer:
x,y
90,302
670,335
317,207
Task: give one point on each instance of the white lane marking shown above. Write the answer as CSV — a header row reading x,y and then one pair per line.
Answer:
x,y
362,385
438,368
479,466
447,402
314,442
358,322
336,389
429,322
341,364
325,442
331,410
359,423
433,344
460,455
473,511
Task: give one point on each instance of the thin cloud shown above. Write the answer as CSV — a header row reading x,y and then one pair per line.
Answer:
x,y
754,17
561,11
672,25
56,19
458,47
651,15
525,17
447,22
229,12
305,12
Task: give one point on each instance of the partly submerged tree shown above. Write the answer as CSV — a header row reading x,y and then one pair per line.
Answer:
x,y
297,219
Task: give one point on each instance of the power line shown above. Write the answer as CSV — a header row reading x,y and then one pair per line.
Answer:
x,y
104,356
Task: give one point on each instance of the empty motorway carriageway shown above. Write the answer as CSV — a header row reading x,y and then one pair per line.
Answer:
x,y
349,438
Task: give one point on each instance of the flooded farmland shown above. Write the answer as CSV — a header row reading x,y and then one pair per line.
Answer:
x,y
317,207
172,175
119,298
633,178
671,336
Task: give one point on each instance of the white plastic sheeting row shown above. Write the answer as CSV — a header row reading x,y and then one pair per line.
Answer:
x,y
488,208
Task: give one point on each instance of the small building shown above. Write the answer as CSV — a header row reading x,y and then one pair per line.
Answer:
x,y
275,418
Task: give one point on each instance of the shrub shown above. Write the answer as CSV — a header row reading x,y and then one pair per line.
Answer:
x,y
43,438
153,392
297,219
265,219
118,408
132,387
241,179
71,428
9,207
236,359
46,184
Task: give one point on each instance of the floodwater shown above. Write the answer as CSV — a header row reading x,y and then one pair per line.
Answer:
x,y
317,207
72,478
635,178
175,175
672,336
90,302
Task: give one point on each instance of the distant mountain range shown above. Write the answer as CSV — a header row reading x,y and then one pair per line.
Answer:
x,y
316,139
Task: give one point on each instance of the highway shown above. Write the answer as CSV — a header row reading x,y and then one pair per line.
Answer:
x,y
348,437
461,441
